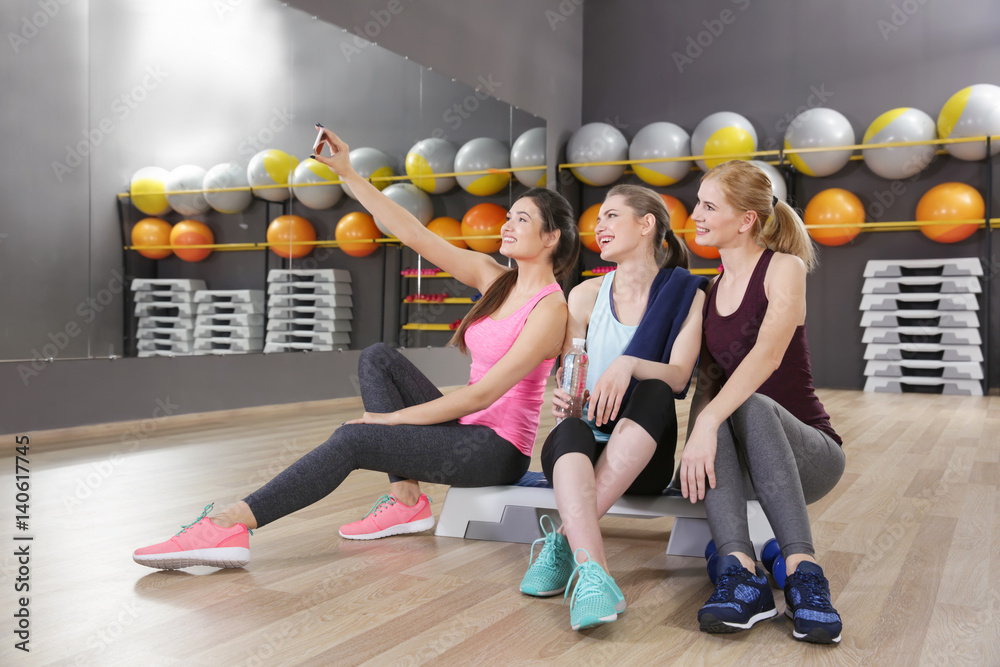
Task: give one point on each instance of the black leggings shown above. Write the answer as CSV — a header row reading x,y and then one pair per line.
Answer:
x,y
651,406
464,455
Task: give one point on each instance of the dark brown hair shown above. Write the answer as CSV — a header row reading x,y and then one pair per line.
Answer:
x,y
644,201
557,216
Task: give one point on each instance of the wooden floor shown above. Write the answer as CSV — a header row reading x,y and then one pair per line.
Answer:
x,y
910,538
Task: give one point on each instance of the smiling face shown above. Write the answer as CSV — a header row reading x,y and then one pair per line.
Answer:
x,y
620,232
521,237
717,223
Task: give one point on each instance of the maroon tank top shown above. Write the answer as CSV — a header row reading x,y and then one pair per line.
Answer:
x,y
730,338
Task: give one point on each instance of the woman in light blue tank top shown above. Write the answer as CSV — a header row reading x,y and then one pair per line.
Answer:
x,y
642,323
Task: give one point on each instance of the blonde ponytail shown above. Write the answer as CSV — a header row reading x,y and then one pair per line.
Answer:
x,y
785,232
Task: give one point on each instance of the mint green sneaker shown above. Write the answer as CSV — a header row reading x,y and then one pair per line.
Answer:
x,y
549,574
596,598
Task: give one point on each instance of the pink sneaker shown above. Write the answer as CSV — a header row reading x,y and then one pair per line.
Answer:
x,y
199,543
390,517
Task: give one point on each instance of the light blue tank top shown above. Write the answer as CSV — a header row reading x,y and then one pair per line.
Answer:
x,y
607,338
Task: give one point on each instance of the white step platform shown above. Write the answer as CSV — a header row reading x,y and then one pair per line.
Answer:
x,y
172,284
309,300
510,514
892,335
163,296
925,385
309,288
164,334
230,320
161,353
165,309
901,318
229,308
232,345
309,312
897,268
310,324
166,323
922,285
948,370
254,296
925,351
312,337
173,347
271,348
310,275
223,331
904,302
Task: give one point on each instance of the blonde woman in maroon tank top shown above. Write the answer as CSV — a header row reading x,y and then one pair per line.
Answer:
x,y
757,428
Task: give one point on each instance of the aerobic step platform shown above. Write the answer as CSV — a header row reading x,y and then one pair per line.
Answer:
x,y
172,284
948,370
892,335
920,385
309,275
899,268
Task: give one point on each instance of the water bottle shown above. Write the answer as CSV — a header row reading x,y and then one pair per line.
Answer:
x,y
574,377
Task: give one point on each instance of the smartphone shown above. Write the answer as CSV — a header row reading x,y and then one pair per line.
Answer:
x,y
318,145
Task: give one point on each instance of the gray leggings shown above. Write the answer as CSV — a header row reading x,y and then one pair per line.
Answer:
x,y
765,452
464,455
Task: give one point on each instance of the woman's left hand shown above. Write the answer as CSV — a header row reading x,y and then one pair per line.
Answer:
x,y
387,418
609,390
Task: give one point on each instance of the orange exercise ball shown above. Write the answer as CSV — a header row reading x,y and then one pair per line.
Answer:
x,y
951,201
191,232
835,206
448,228
286,230
586,225
357,225
152,231
484,220
705,251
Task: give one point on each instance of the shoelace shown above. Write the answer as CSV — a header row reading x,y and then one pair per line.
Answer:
x,y
725,584
386,500
550,554
816,595
588,584
204,513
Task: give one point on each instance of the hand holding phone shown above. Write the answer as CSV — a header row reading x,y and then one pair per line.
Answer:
x,y
320,142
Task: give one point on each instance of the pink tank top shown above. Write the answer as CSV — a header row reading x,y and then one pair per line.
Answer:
x,y
515,415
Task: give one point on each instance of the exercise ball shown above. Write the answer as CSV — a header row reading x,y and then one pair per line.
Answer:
x,y
227,175
448,229
191,232
660,140
478,155
483,220
152,232
148,190
413,199
819,128
355,233
704,251
586,224
721,134
529,151
286,230
971,112
318,197
426,160
834,207
950,201
597,142
269,172
370,163
187,177
778,187
902,124
678,212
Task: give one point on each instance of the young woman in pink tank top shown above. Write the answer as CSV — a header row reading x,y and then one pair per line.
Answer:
x,y
480,435
757,428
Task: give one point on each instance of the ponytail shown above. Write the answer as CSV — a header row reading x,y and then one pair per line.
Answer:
x,y
668,251
785,232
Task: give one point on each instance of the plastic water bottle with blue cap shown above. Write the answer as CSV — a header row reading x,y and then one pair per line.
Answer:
x,y
574,377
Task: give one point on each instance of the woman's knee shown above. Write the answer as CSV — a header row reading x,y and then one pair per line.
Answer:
x,y
569,436
376,351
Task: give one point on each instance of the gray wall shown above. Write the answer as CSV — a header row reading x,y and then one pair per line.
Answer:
x,y
69,78
768,63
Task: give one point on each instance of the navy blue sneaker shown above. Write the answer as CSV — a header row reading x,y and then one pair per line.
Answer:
x,y
740,599
807,603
